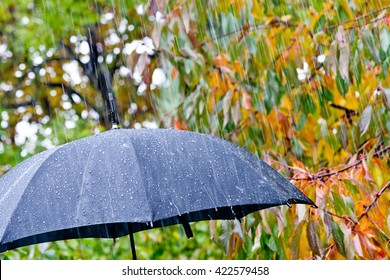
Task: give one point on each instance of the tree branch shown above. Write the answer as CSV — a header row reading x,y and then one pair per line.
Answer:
x,y
18,105
349,166
242,31
377,196
357,18
69,91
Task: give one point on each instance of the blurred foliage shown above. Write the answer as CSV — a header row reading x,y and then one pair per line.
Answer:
x,y
304,85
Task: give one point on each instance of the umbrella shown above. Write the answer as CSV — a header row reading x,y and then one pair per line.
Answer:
x,y
123,181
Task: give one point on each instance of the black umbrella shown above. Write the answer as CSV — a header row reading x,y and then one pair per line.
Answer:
x,y
125,180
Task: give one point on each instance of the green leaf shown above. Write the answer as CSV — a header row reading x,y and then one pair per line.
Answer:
x,y
251,44
319,26
371,45
296,147
301,122
352,188
342,85
365,119
356,67
309,106
385,38
318,5
338,238
338,203
273,91
326,93
271,244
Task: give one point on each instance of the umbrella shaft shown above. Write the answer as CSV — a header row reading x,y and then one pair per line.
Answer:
x,y
132,245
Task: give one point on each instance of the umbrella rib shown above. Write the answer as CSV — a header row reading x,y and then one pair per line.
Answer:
x,y
82,182
140,172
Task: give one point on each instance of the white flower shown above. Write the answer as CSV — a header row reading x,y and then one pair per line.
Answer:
x,y
304,73
124,71
160,17
321,58
137,76
84,48
158,77
140,9
140,46
141,88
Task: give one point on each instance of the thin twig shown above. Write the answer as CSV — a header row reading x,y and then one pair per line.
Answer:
x,y
347,219
250,27
381,230
377,196
320,176
358,18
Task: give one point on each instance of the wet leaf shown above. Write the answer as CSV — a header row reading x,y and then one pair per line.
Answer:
x,y
338,237
312,234
295,241
271,244
348,244
342,85
319,26
357,245
227,100
385,38
332,58
386,97
371,45
388,222
365,119
297,147
343,54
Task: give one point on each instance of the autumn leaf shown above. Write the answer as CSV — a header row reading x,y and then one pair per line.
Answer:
x,y
295,241
332,57
344,53
365,119
386,97
338,237
313,236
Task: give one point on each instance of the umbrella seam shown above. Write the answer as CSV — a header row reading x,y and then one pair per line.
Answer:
x,y
141,173
193,169
91,152
32,177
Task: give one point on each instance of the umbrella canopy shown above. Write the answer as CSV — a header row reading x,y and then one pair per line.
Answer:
x,y
124,181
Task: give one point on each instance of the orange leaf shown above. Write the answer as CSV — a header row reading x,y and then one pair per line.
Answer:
x,y
173,73
180,126
221,60
367,175
246,101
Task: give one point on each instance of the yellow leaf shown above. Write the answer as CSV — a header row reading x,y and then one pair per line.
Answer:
x,y
257,10
237,66
221,60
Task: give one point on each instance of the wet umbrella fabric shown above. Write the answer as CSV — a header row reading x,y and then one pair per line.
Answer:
x,y
124,181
